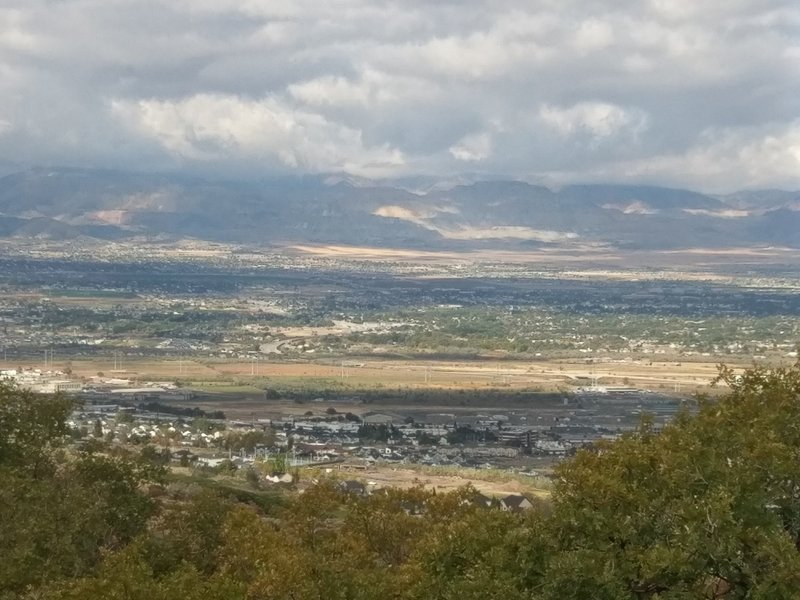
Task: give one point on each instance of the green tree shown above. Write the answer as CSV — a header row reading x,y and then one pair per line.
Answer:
x,y
249,440
189,531
707,508
277,465
127,575
711,503
59,513
481,554
31,427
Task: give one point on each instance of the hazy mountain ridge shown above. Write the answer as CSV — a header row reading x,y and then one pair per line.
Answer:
x,y
66,203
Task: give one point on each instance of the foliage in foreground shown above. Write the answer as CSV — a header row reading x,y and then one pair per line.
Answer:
x,y
708,508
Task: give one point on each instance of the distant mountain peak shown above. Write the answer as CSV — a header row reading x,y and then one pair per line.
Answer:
x,y
460,213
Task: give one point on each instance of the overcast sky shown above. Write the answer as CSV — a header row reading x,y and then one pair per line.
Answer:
x,y
695,93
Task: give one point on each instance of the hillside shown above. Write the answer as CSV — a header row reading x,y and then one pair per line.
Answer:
x,y
65,204
706,508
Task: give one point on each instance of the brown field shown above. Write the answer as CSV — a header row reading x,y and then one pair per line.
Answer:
x,y
692,258
400,477
544,375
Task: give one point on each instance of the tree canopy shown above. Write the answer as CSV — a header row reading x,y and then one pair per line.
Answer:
x,y
709,507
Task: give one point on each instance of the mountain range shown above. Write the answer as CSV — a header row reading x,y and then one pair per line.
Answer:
x,y
338,209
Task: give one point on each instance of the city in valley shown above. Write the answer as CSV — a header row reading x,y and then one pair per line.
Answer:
x,y
399,369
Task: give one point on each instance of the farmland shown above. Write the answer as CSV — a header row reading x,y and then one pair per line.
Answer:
x,y
342,319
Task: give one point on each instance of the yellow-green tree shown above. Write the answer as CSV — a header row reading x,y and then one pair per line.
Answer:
x,y
711,505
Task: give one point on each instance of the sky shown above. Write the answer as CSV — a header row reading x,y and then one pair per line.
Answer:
x,y
686,93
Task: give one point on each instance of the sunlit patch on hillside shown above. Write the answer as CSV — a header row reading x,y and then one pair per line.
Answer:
x,y
470,232
634,208
722,214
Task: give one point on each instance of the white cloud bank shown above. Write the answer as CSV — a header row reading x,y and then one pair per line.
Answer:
x,y
597,119
212,128
700,94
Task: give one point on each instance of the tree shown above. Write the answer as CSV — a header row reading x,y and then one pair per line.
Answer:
x,y
191,531
709,507
482,554
31,427
249,440
150,454
711,503
58,514
277,465
251,476
128,575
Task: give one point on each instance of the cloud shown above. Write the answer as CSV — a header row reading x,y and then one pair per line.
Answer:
x,y
209,127
334,91
738,158
597,119
471,148
593,35
679,92
723,160
369,89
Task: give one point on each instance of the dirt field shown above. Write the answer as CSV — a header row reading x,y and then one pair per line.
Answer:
x,y
406,478
544,375
692,259
359,374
